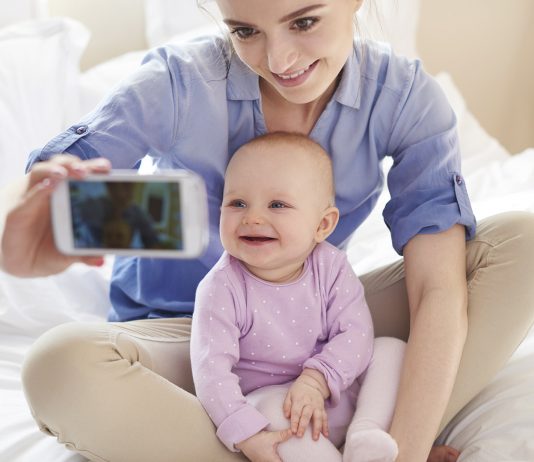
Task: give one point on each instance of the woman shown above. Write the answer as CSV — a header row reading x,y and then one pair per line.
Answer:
x,y
123,391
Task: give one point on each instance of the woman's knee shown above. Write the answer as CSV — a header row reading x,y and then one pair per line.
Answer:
x,y
505,255
55,364
515,230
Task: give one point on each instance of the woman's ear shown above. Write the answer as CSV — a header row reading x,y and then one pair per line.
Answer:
x,y
327,224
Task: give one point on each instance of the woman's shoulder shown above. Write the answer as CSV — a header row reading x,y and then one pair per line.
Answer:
x,y
379,63
204,57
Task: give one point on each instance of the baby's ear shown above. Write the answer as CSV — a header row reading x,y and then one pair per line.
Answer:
x,y
327,224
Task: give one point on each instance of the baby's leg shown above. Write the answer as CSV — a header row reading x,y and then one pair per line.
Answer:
x,y
368,439
269,401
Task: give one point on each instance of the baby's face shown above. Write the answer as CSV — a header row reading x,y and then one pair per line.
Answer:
x,y
273,205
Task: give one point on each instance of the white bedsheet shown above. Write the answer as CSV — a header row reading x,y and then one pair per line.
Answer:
x,y
496,426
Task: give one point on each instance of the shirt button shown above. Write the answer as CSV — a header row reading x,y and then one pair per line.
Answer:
x,y
81,130
459,180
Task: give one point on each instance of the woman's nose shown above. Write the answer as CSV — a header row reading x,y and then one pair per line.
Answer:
x,y
281,54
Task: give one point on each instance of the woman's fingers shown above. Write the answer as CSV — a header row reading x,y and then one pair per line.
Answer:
x,y
92,261
283,435
66,165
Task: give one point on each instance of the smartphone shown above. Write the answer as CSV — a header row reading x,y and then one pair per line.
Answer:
x,y
162,215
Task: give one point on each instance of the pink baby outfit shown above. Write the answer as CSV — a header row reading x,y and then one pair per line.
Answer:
x,y
249,333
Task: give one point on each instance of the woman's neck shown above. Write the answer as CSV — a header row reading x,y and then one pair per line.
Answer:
x,y
283,115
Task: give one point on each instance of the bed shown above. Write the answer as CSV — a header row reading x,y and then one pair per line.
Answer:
x,y
43,89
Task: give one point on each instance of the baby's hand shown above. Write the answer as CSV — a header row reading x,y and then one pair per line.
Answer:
x,y
262,447
304,402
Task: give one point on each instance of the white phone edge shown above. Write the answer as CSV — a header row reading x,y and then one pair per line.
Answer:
x,y
196,231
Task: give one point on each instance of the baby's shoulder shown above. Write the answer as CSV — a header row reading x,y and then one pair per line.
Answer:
x,y
327,252
225,274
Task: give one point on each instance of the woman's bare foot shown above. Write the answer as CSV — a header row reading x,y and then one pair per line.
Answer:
x,y
443,454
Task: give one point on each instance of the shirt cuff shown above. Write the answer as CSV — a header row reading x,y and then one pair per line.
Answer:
x,y
240,426
333,384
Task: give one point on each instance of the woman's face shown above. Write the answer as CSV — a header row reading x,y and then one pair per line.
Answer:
x,y
297,46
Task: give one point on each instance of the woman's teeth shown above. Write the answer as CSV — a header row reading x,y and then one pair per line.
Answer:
x,y
293,76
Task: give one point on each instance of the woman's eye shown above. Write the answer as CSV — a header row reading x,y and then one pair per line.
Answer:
x,y
277,205
303,24
243,33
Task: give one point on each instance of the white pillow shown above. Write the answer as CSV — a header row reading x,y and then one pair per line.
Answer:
x,y
32,306
389,20
38,86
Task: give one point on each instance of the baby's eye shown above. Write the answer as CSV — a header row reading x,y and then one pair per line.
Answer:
x,y
237,203
277,205
243,33
304,24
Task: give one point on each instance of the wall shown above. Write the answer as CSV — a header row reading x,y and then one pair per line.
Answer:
x,y
124,22
488,48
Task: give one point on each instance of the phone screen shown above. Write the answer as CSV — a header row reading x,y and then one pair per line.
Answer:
x,y
126,215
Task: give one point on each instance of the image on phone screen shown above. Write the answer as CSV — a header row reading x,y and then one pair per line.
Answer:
x,y
126,215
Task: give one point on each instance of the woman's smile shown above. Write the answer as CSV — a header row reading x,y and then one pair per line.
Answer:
x,y
295,78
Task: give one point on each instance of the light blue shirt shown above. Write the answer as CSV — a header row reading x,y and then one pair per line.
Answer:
x,y
192,105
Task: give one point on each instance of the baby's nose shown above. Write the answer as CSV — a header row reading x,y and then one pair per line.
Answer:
x,y
253,218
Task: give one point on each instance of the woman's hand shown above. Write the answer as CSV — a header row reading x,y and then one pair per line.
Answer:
x,y
27,246
262,447
443,454
304,402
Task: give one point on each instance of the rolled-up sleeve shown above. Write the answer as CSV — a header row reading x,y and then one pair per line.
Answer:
x,y
428,191
138,116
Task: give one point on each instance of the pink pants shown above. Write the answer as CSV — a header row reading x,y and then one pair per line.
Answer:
x,y
374,405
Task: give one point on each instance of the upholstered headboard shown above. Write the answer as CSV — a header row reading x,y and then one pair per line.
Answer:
x,y
116,26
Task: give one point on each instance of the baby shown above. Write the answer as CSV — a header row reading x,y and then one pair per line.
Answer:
x,y
282,341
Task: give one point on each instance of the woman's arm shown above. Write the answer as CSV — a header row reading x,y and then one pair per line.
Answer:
x,y
437,291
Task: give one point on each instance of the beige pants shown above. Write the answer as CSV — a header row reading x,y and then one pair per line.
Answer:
x,y
123,392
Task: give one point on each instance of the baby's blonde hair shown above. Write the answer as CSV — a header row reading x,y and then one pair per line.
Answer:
x,y
321,157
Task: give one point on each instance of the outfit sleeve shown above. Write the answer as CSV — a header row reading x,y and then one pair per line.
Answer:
x,y
139,115
214,352
349,349
428,192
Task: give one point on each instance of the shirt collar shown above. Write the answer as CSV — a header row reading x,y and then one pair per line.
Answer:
x,y
243,83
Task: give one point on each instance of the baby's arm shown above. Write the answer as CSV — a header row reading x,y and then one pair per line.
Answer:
x,y
214,352
349,349
342,359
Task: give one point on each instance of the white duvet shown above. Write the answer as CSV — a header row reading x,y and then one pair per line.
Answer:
x,y
496,426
